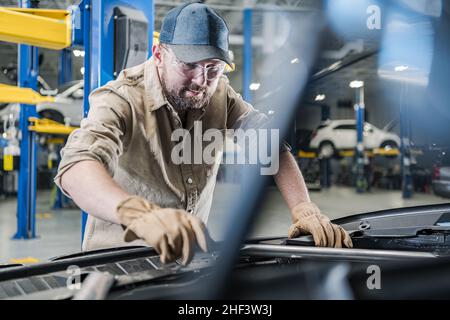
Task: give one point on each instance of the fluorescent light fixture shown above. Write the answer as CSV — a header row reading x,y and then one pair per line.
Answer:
x,y
296,60
401,68
254,86
356,84
413,77
78,53
320,97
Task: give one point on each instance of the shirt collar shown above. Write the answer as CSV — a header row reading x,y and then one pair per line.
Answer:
x,y
155,97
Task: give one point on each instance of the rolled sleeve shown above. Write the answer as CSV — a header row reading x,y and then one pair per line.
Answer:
x,y
101,136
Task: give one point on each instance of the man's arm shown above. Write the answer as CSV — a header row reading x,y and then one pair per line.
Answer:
x,y
84,180
88,162
90,156
290,182
306,216
93,189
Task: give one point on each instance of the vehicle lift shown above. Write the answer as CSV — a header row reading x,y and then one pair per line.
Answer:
x,y
247,52
65,66
360,155
94,25
361,181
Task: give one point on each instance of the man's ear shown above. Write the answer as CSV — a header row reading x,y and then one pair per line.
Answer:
x,y
157,54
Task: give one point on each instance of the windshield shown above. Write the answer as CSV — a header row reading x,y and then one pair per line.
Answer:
x,y
398,53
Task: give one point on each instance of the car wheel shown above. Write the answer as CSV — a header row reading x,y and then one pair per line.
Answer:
x,y
326,150
389,144
52,115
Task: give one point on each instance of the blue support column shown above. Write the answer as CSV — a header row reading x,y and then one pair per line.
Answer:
x,y
98,33
26,197
407,180
247,64
58,203
65,67
361,183
58,200
85,8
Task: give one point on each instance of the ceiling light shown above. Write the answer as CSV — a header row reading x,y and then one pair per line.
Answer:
x,y
254,86
356,84
320,97
401,68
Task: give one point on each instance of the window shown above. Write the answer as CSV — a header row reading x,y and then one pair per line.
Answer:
x,y
345,127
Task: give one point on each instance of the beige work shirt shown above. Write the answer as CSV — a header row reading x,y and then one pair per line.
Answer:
x,y
128,130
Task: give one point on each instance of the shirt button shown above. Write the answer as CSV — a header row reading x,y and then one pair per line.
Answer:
x,y
189,180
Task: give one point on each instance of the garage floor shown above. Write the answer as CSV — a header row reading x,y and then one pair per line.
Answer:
x,y
59,230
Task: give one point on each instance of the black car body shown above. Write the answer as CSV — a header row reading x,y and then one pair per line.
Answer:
x,y
407,243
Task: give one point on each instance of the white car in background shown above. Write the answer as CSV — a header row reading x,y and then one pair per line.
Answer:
x,y
336,135
441,174
67,107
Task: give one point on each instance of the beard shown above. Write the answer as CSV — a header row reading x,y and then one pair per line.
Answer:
x,y
178,99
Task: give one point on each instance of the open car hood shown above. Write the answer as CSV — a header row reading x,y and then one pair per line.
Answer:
x,y
401,237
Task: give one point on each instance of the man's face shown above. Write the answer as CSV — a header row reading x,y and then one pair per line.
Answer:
x,y
188,85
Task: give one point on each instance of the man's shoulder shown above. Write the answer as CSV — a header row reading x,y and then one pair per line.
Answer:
x,y
130,79
133,74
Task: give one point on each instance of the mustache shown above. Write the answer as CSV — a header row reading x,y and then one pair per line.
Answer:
x,y
196,88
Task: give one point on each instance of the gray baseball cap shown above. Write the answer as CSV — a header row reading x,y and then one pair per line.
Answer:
x,y
195,32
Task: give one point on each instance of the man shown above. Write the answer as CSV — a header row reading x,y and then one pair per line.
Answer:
x,y
118,166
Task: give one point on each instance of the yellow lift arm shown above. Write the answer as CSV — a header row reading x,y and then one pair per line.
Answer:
x,y
372,153
43,28
13,94
49,126
351,153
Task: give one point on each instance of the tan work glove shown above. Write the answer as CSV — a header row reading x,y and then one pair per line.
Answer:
x,y
173,233
307,219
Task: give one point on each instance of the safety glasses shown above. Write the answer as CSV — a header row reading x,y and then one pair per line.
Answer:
x,y
193,70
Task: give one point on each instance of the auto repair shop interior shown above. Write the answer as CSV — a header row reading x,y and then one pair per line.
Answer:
x,y
359,90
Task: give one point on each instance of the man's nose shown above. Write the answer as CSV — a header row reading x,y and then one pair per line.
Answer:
x,y
201,78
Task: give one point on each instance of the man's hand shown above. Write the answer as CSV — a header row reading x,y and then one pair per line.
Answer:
x,y
173,233
307,219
